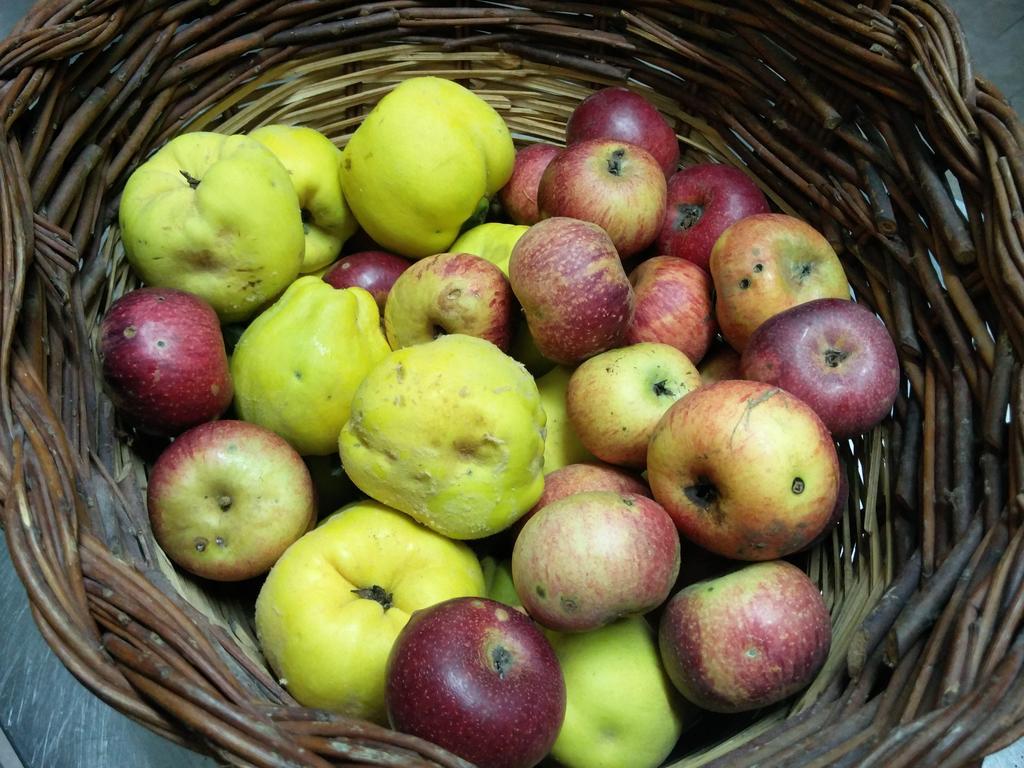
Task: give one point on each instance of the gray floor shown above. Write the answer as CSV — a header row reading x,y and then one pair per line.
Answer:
x,y
88,734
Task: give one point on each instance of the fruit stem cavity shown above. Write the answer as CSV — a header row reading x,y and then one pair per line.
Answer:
x,y
501,659
703,493
833,357
688,214
615,162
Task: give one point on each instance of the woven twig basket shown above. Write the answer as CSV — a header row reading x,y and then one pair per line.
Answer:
x,y
867,120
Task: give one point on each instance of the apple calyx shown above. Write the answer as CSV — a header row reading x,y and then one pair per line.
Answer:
x,y
501,660
192,180
704,495
661,389
688,214
615,161
375,592
833,357
224,502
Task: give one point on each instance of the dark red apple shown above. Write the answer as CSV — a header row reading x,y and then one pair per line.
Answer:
x,y
519,195
479,679
613,184
835,355
747,639
703,201
376,271
673,306
573,290
163,360
619,113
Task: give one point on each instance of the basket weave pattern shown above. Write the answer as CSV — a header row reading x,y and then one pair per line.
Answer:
x,y
865,119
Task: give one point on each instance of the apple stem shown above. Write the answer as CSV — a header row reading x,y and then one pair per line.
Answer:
x,y
376,592
615,162
502,660
192,180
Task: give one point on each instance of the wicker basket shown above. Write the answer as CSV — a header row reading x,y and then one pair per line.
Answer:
x,y
867,120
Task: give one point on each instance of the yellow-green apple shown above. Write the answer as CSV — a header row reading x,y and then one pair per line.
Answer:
x,y
524,349
561,445
746,469
703,201
615,399
450,293
673,306
835,355
336,600
375,271
451,432
479,679
590,558
237,238
619,113
719,363
766,263
313,164
573,290
519,195
747,639
163,360
498,580
226,498
611,183
492,241
637,726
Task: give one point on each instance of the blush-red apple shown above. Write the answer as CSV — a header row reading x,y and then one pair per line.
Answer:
x,y
613,184
702,202
479,679
519,195
376,271
163,360
573,290
673,306
747,639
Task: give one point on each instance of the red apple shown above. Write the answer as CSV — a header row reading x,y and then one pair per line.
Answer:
x,y
376,271
591,558
833,354
746,470
450,293
479,679
573,290
227,498
163,360
703,201
766,263
747,639
615,185
519,195
673,306
619,113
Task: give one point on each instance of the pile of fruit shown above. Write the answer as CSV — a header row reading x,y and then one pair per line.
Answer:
x,y
462,455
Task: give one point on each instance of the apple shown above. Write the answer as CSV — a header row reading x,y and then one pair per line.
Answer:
x,y
226,498
333,605
703,201
479,679
747,639
573,290
450,293
519,195
588,476
835,355
376,271
615,399
590,558
621,708
163,360
561,444
616,185
720,363
766,263
745,469
673,305
619,113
